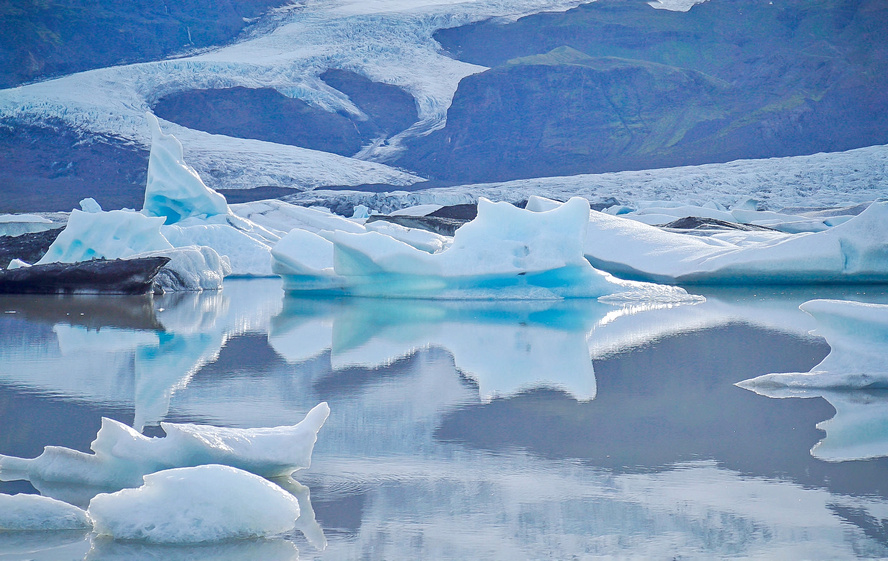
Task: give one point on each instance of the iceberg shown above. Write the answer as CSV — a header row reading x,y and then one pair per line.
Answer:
x,y
174,190
121,234
199,504
32,512
857,334
505,253
122,456
855,251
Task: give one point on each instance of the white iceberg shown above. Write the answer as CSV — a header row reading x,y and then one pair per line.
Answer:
x,y
200,504
33,512
122,455
505,253
18,224
121,234
857,334
853,251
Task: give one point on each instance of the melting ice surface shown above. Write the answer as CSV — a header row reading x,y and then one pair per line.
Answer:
x,y
207,503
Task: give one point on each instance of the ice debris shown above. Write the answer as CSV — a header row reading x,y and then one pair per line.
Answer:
x,y
505,253
854,251
122,455
857,334
207,503
33,512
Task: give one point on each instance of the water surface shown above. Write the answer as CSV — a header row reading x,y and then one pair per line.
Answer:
x,y
470,430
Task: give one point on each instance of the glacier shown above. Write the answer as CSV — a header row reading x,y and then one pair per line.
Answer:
x,y
505,253
122,456
207,503
383,41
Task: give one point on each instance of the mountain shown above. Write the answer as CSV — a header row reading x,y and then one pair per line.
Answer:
x,y
44,38
384,96
616,85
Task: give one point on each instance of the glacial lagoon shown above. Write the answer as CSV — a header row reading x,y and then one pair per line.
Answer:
x,y
566,429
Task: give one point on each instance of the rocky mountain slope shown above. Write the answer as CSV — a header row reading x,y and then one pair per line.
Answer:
x,y
616,85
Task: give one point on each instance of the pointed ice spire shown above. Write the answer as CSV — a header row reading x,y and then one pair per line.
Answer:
x,y
174,190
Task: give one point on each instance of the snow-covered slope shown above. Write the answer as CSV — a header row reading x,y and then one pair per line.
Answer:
x,y
386,41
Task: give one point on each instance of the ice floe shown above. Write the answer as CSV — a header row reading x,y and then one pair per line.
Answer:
x,y
207,503
853,378
122,455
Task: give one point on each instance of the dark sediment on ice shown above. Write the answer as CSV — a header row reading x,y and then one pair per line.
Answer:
x,y
118,276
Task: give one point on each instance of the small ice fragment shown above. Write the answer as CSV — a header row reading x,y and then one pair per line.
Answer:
x,y
33,512
199,504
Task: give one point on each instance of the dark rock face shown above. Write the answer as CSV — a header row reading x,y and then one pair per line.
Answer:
x,y
118,276
52,167
698,223
389,109
266,114
27,247
261,114
656,88
44,39
443,226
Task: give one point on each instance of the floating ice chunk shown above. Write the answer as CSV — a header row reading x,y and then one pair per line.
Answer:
x,y
89,204
506,252
33,512
116,234
191,269
303,253
174,190
17,264
424,240
123,455
360,211
206,503
247,255
857,334
18,224
283,217
855,251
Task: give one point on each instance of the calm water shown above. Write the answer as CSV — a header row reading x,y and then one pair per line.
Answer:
x,y
471,430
